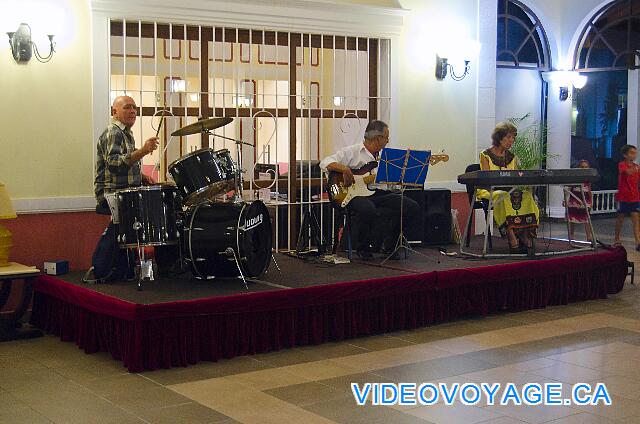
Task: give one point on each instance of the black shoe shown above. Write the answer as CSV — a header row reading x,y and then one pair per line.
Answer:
x,y
387,254
388,247
365,254
394,257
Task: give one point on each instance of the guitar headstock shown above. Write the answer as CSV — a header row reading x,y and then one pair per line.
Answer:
x,y
434,159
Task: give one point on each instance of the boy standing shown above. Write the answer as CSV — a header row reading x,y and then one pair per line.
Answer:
x,y
628,193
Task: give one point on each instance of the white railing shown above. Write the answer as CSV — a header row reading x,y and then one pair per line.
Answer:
x,y
604,201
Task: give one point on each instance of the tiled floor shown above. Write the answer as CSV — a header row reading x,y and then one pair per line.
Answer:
x,y
45,380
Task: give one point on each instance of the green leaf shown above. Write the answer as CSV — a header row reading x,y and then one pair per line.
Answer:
x,y
529,143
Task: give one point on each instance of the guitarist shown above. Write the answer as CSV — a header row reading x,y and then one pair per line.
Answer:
x,y
376,221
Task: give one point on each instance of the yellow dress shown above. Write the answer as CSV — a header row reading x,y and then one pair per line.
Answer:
x,y
518,209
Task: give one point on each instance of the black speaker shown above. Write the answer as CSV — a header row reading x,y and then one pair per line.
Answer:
x,y
437,217
415,232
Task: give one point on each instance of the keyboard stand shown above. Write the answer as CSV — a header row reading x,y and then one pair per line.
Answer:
x,y
576,246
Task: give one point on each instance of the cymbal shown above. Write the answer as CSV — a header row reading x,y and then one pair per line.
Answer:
x,y
202,125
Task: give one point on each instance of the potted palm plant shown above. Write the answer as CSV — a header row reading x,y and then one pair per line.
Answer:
x,y
529,145
530,149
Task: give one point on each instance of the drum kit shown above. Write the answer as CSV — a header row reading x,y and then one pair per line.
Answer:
x,y
216,237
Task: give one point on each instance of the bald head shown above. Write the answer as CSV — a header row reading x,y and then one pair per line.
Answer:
x,y
124,110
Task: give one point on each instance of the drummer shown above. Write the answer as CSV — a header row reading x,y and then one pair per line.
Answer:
x,y
117,167
118,163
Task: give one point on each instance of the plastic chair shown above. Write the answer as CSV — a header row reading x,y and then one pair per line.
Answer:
x,y
477,204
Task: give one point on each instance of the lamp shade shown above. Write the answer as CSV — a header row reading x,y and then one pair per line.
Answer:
x,y
6,209
565,78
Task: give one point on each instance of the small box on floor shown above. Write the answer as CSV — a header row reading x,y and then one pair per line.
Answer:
x,y
56,267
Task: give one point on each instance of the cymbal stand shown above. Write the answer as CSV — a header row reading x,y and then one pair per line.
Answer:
x,y
273,258
239,183
182,259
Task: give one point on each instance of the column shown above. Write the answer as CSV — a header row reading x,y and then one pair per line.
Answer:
x,y
633,107
558,143
486,66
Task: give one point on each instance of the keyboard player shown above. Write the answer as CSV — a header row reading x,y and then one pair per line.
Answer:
x,y
516,214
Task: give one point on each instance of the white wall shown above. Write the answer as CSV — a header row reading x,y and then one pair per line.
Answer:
x,y
46,147
486,68
518,93
438,115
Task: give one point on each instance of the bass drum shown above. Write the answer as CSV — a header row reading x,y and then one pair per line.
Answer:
x,y
217,231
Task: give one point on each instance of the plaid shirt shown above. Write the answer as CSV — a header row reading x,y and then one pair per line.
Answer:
x,y
114,170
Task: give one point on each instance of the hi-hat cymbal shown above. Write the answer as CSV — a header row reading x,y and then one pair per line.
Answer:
x,y
201,126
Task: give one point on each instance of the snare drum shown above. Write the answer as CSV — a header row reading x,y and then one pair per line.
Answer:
x,y
203,174
147,216
217,233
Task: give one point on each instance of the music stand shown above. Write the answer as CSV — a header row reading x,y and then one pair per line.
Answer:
x,y
407,169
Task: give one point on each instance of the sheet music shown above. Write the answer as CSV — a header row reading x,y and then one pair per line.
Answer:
x,y
404,167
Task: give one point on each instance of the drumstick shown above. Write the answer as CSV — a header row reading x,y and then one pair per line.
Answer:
x,y
160,126
157,166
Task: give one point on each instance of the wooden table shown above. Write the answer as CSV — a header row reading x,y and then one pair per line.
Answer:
x,y
10,322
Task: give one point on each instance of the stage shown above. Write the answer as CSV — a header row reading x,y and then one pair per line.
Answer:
x,y
177,321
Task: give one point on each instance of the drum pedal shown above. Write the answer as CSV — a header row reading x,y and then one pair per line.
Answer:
x,y
146,270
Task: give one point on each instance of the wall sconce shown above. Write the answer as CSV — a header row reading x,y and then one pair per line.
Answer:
x,y
338,101
443,67
565,79
453,52
23,48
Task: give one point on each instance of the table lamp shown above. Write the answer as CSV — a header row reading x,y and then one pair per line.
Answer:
x,y
6,212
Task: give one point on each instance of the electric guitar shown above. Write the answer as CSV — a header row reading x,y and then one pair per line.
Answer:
x,y
340,195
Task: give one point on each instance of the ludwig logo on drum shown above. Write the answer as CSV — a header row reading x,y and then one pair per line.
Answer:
x,y
252,222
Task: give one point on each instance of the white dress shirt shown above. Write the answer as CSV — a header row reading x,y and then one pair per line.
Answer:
x,y
354,157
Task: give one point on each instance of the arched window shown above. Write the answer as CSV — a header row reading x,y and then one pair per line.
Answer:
x,y
611,40
522,42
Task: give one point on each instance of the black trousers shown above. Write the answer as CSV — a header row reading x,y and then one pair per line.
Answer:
x,y
165,256
376,220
